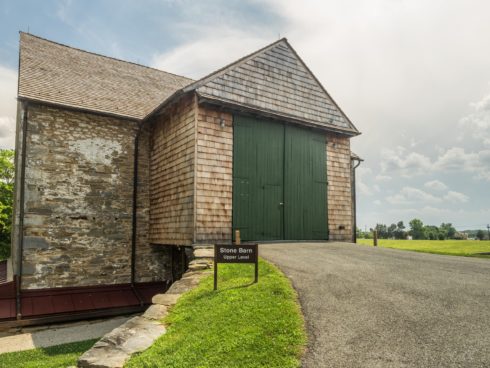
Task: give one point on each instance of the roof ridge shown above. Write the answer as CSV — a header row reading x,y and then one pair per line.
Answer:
x,y
238,61
104,56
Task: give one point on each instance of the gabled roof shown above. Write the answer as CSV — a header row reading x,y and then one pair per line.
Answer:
x,y
62,75
275,80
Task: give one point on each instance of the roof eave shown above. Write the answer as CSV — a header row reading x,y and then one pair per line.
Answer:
x,y
77,108
232,105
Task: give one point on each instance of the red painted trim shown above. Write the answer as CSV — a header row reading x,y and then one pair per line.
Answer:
x,y
75,300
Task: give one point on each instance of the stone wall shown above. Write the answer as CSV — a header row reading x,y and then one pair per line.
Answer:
x,y
172,174
214,176
78,201
339,188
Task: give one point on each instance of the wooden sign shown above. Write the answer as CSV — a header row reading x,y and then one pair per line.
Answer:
x,y
235,253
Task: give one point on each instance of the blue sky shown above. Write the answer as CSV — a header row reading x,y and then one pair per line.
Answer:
x,y
412,75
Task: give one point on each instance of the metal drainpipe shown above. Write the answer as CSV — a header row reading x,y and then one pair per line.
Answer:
x,y
354,207
20,245
134,218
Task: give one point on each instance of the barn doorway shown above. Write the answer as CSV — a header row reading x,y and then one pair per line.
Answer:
x,y
279,181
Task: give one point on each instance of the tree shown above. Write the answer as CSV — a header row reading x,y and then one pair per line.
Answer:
x,y
6,200
382,231
417,229
480,235
448,230
391,231
400,232
431,232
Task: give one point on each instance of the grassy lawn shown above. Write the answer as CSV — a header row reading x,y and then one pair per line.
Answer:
x,y
240,325
467,248
52,357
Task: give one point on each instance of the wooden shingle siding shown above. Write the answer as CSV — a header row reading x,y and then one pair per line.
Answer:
x,y
153,263
276,80
214,182
339,188
172,175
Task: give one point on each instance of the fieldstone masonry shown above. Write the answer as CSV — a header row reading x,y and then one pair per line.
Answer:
x,y
78,202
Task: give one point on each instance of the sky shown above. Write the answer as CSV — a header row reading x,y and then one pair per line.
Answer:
x,y
413,76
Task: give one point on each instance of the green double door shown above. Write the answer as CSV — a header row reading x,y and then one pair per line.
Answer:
x,y
279,181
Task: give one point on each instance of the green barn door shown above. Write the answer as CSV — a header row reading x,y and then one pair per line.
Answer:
x,y
279,181
258,173
305,189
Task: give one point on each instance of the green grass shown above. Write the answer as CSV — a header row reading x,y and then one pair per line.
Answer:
x,y
240,325
467,248
52,357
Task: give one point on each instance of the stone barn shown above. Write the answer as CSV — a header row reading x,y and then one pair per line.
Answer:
x,y
121,169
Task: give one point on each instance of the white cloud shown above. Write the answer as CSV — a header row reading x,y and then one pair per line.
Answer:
x,y
364,189
363,174
8,106
436,185
478,121
407,165
380,177
211,50
456,159
410,195
456,197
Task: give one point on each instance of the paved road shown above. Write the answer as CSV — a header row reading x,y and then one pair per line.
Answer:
x,y
377,307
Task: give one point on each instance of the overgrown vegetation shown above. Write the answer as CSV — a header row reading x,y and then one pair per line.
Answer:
x,y
6,200
53,357
240,325
466,248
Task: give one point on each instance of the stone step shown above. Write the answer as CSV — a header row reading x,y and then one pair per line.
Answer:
x,y
115,348
204,253
139,333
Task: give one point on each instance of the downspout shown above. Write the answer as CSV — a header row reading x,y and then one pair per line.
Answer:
x,y
353,191
134,217
20,244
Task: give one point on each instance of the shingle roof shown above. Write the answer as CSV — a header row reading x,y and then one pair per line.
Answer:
x,y
62,75
275,80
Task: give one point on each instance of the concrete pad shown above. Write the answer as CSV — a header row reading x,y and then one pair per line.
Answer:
x,y
62,335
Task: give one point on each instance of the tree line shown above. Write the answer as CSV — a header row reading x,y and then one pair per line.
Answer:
x,y
416,230
6,200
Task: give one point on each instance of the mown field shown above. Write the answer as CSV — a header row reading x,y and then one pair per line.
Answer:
x,y
466,248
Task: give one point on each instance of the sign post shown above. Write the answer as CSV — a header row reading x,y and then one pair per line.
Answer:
x,y
236,253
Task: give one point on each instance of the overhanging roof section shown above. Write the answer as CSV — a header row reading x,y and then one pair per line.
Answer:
x,y
57,74
276,81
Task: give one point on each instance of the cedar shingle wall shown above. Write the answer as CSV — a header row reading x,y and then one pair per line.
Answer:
x,y
275,80
214,182
153,263
339,188
172,175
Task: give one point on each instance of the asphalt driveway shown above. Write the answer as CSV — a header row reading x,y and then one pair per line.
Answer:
x,y
378,307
